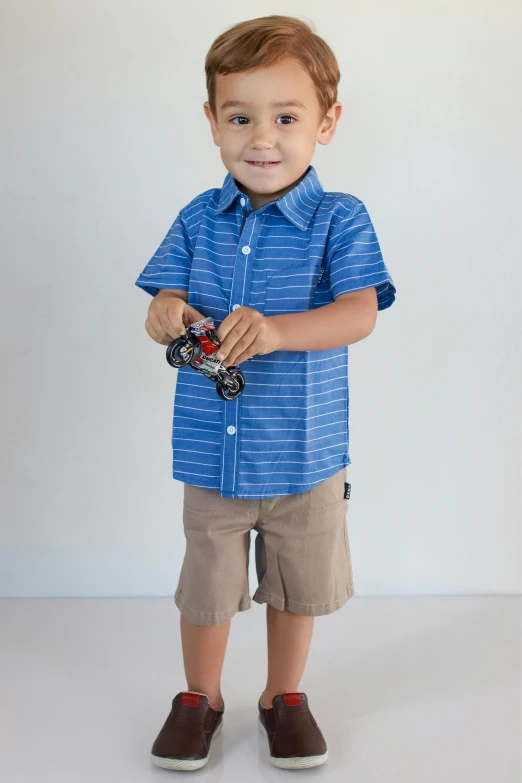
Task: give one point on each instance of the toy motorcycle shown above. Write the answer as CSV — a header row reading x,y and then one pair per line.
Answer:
x,y
198,348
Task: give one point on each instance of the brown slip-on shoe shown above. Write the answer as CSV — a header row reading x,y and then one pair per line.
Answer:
x,y
185,739
294,738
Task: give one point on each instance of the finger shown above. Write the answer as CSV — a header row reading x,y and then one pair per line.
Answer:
x,y
243,348
154,319
252,351
172,318
166,318
233,345
190,315
159,337
228,324
232,336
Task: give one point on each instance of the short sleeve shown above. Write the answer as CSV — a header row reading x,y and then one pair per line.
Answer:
x,y
170,265
354,259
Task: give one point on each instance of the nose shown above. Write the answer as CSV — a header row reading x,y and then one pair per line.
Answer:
x,y
261,138
261,144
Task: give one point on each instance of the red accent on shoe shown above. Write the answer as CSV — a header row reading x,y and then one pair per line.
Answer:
x,y
190,699
292,699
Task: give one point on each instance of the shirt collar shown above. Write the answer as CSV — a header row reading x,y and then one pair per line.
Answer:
x,y
298,205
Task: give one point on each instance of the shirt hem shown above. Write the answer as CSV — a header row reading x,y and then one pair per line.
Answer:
x,y
290,489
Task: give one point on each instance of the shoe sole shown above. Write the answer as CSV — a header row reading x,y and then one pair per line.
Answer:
x,y
185,764
295,762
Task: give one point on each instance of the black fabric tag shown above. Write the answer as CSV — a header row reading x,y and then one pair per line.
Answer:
x,y
347,489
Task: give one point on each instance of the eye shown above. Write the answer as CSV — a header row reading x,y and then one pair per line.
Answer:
x,y
281,117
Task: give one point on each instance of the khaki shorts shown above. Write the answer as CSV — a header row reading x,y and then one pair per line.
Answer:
x,y
302,552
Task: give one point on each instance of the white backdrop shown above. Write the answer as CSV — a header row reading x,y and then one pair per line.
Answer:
x,y
104,139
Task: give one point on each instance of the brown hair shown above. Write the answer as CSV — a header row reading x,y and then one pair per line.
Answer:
x,y
266,40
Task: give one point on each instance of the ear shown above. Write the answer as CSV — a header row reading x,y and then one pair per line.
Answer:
x,y
212,121
329,123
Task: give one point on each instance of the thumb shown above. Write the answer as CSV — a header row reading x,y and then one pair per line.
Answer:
x,y
190,315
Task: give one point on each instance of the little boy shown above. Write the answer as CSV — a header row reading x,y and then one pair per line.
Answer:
x,y
293,275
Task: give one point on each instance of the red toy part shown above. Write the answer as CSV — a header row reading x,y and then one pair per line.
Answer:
x,y
207,345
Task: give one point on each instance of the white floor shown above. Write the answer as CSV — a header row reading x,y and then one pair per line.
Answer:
x,y
404,689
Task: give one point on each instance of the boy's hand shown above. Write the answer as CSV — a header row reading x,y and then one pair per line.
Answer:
x,y
167,317
244,333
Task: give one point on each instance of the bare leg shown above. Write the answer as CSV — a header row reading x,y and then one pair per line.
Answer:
x,y
203,654
289,636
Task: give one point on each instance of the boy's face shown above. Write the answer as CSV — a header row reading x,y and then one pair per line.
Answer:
x,y
257,130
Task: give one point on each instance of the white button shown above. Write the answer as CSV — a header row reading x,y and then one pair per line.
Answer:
x,y
242,202
246,249
235,307
231,430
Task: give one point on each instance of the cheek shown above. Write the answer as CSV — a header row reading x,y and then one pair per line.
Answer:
x,y
231,141
299,151
299,141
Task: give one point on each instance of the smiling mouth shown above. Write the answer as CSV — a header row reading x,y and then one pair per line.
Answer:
x,y
263,163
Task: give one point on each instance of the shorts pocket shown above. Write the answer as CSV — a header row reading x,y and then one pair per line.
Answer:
x,y
198,500
328,494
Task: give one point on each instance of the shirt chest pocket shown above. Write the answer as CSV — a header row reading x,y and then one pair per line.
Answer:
x,y
291,288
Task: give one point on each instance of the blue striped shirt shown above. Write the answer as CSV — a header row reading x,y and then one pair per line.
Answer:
x,y
289,429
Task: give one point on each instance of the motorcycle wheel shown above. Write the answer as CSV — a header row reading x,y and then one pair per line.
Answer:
x,y
225,392
174,356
